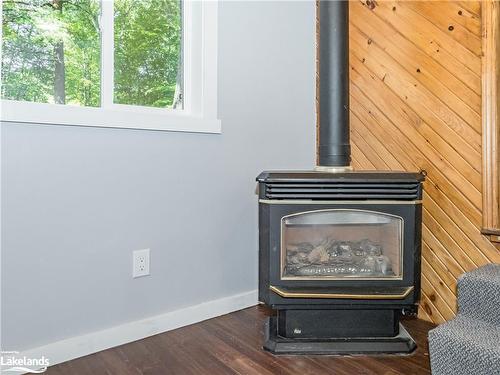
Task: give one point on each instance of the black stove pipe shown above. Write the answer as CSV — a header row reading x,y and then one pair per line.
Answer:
x,y
333,65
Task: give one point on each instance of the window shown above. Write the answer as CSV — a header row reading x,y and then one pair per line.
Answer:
x,y
51,52
148,60
147,64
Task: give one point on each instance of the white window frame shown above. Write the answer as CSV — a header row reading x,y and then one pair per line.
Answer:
x,y
200,85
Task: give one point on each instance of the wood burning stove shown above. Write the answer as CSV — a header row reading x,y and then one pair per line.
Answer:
x,y
339,259
339,256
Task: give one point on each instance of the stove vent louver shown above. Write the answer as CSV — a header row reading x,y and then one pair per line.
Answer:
x,y
343,191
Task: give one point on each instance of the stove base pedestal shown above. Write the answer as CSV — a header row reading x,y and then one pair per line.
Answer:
x,y
403,343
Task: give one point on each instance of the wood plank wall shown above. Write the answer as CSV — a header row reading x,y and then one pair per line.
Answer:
x,y
416,104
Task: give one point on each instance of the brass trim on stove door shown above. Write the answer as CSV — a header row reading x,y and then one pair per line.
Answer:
x,y
283,250
286,294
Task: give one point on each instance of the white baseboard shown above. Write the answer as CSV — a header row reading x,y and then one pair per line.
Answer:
x,y
79,346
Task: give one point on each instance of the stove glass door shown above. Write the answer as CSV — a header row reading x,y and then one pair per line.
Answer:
x,y
341,243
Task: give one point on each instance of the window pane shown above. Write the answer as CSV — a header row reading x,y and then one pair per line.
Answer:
x,y
148,53
51,51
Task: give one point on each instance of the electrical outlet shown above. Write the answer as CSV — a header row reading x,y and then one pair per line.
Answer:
x,y
140,263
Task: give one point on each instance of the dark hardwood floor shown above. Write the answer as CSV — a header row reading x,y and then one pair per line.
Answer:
x,y
231,344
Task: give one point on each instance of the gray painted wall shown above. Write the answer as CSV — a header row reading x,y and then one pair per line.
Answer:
x,y
77,201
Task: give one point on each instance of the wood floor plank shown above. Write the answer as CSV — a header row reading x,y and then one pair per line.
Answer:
x,y
232,344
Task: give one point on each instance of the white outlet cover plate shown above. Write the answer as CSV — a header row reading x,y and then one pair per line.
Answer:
x,y
140,263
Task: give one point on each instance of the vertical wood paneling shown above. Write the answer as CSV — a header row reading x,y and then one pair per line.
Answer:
x,y
490,19
416,105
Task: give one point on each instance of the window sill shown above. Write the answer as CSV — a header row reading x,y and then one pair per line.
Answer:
x,y
117,116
